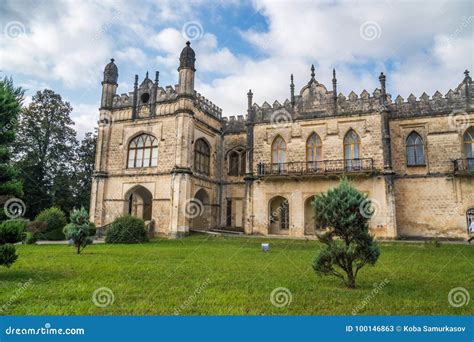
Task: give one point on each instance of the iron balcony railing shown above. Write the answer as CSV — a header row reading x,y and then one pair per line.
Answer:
x,y
316,167
465,165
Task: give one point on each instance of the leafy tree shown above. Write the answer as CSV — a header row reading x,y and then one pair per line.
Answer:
x,y
44,149
84,168
11,98
349,247
79,229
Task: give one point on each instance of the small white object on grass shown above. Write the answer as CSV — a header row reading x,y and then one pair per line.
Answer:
x,y
265,247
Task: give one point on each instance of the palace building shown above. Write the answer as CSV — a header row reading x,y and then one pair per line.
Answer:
x,y
169,156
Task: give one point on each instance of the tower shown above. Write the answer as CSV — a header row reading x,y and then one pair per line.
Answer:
x,y
109,85
182,171
186,71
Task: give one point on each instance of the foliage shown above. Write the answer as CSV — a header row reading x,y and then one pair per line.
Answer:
x,y
11,98
92,229
12,231
37,228
79,229
56,220
7,255
126,229
349,247
84,167
44,150
29,239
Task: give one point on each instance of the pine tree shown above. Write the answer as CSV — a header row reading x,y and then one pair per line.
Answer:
x,y
11,98
349,247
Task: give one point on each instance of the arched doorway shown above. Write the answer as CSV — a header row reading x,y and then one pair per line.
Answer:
x,y
279,215
198,210
469,217
309,221
139,202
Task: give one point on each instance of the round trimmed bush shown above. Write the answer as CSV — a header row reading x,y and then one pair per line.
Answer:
x,y
7,255
126,229
56,220
12,231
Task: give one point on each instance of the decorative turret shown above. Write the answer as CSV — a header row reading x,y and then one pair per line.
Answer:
x,y
292,91
186,71
109,85
334,86
312,75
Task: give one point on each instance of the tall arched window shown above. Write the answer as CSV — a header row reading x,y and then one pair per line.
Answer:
x,y
313,152
352,150
202,156
143,151
469,147
279,154
234,163
415,151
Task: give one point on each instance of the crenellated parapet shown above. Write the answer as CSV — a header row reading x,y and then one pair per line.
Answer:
x,y
234,124
207,106
316,101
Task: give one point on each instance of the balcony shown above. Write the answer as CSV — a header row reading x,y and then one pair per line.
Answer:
x,y
464,166
324,167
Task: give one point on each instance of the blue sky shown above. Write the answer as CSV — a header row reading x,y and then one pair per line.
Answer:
x,y
422,46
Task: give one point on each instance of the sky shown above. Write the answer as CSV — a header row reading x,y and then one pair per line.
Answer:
x,y
421,46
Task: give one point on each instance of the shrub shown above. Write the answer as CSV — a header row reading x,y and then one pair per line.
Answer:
x,y
79,229
92,229
56,220
37,228
126,229
30,239
349,247
7,254
12,231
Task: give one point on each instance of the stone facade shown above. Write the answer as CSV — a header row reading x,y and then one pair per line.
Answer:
x,y
258,172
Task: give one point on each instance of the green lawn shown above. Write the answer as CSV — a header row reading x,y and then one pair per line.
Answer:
x,y
216,275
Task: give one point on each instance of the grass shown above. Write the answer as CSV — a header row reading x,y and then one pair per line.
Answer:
x,y
203,275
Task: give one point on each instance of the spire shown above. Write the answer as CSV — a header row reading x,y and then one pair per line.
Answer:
x,y
157,78
187,57
312,72
110,73
382,87
292,90
249,99
334,85
135,99
146,76
467,81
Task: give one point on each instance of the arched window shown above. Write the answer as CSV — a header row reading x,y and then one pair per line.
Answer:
x,y
243,161
234,163
279,154
143,151
313,152
202,154
415,151
469,148
352,151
